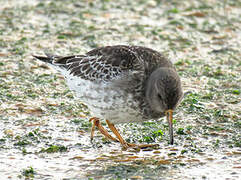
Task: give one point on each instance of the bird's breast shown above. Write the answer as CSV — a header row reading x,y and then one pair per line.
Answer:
x,y
107,100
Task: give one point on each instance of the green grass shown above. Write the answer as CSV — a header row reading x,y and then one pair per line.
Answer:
x,y
28,173
54,149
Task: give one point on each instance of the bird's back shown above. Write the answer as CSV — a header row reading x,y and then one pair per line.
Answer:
x,y
111,80
107,62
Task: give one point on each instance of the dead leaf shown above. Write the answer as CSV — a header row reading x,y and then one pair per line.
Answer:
x,y
180,27
101,158
33,110
33,124
81,132
236,152
4,54
133,157
173,149
210,159
219,37
193,160
181,157
163,162
136,177
8,132
157,152
122,160
77,157
196,14
53,104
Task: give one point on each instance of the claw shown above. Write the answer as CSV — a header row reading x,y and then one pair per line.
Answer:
x,y
125,145
96,123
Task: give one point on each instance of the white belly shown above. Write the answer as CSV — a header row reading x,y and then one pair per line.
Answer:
x,y
105,101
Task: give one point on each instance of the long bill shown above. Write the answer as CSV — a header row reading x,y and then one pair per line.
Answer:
x,y
169,113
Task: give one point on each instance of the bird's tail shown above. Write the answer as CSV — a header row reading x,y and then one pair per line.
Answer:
x,y
49,58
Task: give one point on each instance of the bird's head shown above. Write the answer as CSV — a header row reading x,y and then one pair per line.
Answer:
x,y
164,92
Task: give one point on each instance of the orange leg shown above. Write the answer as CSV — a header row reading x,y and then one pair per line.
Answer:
x,y
92,129
123,142
115,131
96,123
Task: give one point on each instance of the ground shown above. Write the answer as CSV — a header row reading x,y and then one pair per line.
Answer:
x,y
44,130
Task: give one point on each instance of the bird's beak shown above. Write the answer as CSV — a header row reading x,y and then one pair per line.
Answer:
x,y
169,113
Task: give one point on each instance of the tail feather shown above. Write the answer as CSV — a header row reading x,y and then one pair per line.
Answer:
x,y
48,58
55,60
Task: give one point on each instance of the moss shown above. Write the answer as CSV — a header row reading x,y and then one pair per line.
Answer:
x,y
180,131
29,173
54,149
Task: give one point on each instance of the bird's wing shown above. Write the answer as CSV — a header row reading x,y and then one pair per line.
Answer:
x,y
103,63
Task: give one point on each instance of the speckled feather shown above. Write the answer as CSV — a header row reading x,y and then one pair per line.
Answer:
x,y
105,63
111,80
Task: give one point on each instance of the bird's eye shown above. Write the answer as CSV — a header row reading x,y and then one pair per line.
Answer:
x,y
159,96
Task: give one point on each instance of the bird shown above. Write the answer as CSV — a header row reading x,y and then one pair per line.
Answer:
x,y
122,84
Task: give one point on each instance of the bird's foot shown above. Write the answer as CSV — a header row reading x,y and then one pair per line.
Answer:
x,y
96,123
125,145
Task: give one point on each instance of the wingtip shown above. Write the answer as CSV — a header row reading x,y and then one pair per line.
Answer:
x,y
35,56
43,58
